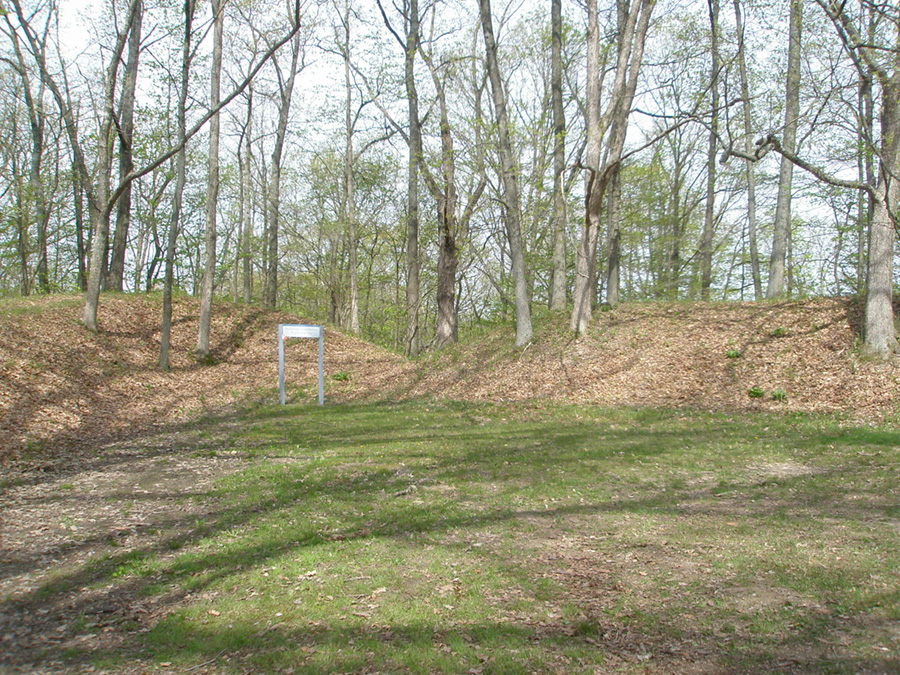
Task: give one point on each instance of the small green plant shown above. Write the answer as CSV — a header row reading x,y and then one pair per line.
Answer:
x,y
779,395
755,392
341,376
733,353
781,331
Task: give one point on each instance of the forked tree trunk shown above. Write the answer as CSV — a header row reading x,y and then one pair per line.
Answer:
x,y
606,134
116,275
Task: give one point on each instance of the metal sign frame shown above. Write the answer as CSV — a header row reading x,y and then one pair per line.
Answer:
x,y
289,330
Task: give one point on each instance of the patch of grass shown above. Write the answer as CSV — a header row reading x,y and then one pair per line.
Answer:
x,y
439,537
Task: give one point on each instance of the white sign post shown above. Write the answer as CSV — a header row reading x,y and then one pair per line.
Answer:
x,y
287,330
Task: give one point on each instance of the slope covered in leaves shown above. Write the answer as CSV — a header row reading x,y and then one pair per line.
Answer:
x,y
797,356
64,389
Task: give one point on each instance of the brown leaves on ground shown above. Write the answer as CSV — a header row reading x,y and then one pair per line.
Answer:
x,y
702,355
64,389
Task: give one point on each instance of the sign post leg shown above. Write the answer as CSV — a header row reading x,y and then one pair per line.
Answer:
x,y
321,366
281,364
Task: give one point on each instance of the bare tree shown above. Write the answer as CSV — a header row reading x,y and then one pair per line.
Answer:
x,y
453,229
709,214
285,94
558,274
605,138
125,132
212,182
748,149
509,179
34,107
789,143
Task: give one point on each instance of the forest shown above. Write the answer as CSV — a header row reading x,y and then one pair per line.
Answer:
x,y
404,169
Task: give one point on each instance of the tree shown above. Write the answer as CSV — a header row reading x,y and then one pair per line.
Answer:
x,y
789,143
285,94
212,186
605,138
709,215
509,180
180,180
125,133
558,274
453,229
748,149
411,45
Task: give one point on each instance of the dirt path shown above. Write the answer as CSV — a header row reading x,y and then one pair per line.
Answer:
x,y
74,529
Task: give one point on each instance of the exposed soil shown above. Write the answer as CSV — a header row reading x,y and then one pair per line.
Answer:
x,y
65,394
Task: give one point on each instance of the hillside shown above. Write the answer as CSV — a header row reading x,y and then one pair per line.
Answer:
x,y
64,390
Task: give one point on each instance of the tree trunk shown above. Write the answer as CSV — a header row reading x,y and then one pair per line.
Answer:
x,y
748,149
634,22
180,180
880,333
586,255
510,181
349,188
558,273
81,252
791,116
212,185
614,237
411,338
286,92
709,216
247,177
116,274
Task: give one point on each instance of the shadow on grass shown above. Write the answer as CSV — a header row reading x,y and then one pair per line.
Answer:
x,y
358,462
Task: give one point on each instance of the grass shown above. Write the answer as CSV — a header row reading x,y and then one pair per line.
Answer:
x,y
434,537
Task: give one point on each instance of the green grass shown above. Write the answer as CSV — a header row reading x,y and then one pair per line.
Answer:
x,y
434,537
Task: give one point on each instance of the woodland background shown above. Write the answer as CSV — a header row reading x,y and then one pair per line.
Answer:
x,y
401,169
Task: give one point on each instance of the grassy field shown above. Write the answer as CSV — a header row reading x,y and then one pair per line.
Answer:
x,y
432,537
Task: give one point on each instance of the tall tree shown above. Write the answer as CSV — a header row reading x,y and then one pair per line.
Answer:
x,y
410,44
349,201
212,182
781,235
34,107
246,162
411,338
558,273
180,181
125,132
453,229
605,138
709,214
285,94
748,149
509,179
